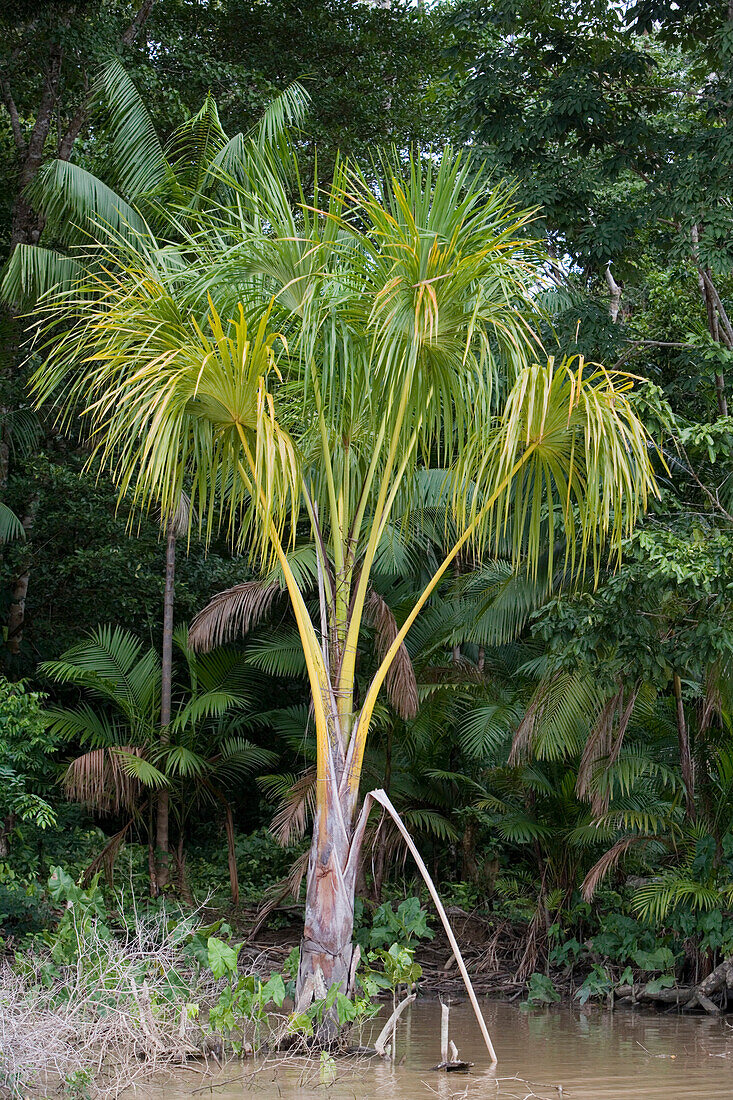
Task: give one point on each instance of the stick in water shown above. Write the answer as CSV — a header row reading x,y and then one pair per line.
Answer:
x,y
383,799
444,1011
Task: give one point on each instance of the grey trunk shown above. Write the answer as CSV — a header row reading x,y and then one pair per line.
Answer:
x,y
166,688
326,950
16,611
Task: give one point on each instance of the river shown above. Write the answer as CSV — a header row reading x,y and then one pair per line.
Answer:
x,y
558,1053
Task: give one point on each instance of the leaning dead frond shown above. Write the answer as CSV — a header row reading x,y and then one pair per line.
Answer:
x,y
604,743
106,858
608,861
400,680
231,613
296,874
179,522
711,703
524,737
100,780
296,809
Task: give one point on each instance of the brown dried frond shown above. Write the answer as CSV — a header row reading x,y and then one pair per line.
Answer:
x,y
100,780
524,736
534,940
296,874
400,680
181,517
290,821
606,863
711,702
106,858
604,742
231,613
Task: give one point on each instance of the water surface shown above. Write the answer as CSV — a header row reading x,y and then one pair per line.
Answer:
x,y
565,1053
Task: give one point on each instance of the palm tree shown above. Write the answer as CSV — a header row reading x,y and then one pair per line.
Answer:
x,y
313,356
117,723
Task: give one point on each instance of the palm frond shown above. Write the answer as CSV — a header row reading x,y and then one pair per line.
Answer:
x,y
607,863
10,526
278,655
80,208
103,779
297,807
400,682
286,111
33,271
232,613
137,164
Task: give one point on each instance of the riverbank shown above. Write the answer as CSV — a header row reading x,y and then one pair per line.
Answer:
x,y
501,963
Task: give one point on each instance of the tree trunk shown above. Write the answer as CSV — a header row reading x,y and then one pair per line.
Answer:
x,y
381,860
182,878
232,855
683,739
326,950
152,877
16,611
166,687
469,867
716,317
615,292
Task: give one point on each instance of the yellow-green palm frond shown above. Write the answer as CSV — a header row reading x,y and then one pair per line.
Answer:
x,y
568,459
445,275
175,401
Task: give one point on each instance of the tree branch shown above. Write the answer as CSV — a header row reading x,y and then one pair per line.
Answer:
x,y
141,17
14,118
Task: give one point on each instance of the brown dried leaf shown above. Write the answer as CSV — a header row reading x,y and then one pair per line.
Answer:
x,y
290,821
400,680
231,613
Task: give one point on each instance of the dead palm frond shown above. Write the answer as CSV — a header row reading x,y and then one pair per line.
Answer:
x,y
100,780
232,613
604,744
297,805
524,737
400,682
608,861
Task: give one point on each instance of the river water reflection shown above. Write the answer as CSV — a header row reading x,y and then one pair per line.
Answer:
x,y
563,1053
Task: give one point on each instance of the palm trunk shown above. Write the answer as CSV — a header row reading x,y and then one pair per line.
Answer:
x,y
326,950
182,878
166,682
16,611
232,855
683,739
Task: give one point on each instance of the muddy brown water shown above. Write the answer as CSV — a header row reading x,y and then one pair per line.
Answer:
x,y
561,1052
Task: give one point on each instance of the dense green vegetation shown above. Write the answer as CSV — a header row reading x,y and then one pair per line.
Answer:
x,y
555,729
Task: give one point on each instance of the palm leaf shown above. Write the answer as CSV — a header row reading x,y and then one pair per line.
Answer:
x,y
33,271
10,526
232,613
400,683
79,208
137,164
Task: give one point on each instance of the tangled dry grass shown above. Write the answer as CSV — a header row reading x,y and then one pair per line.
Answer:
x,y
121,1014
